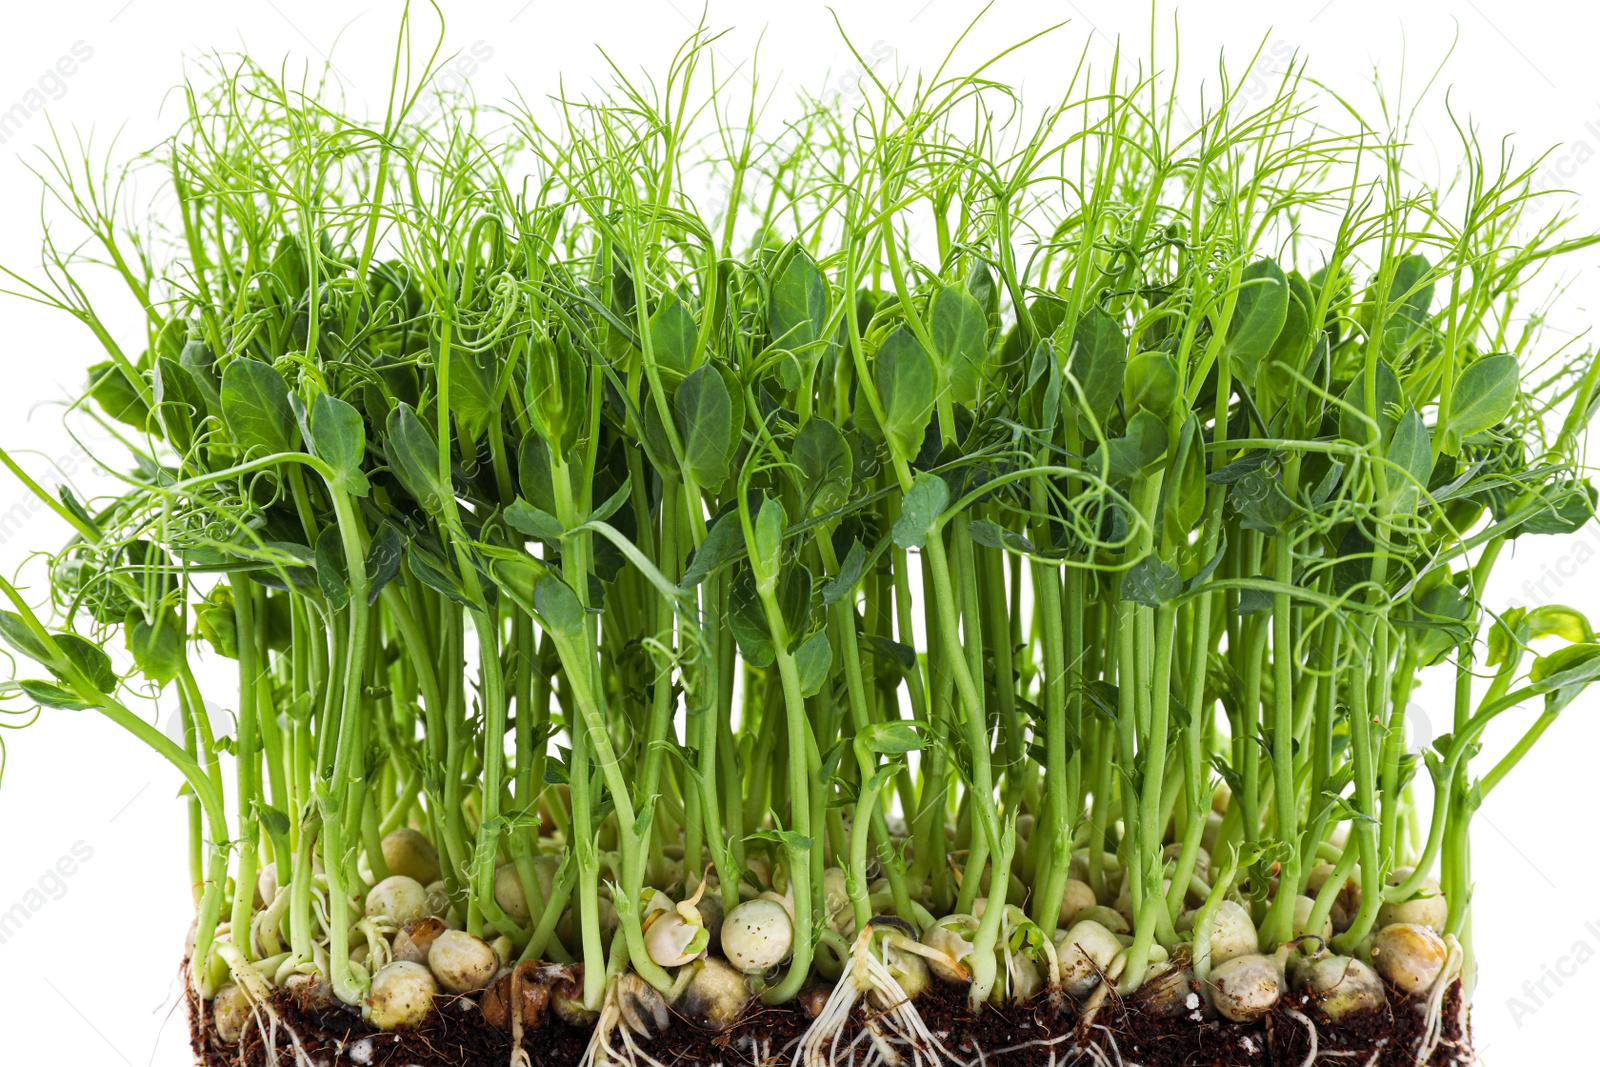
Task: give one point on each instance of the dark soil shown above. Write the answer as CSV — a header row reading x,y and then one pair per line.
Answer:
x,y
1032,1035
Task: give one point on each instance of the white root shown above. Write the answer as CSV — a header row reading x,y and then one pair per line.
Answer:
x,y
1433,1029
612,1020
897,1024
258,991
264,925
1311,1032
377,930
1098,997
519,1056
269,1035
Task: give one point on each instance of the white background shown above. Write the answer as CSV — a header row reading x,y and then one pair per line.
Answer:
x,y
92,977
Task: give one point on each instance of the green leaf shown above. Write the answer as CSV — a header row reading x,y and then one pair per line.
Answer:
x,y
201,364
436,574
657,445
117,398
849,574
1329,482
766,544
215,620
255,405
1576,661
157,647
981,284
813,660
535,522
705,426
1253,601
1098,361
903,656
1248,463
1274,383
1041,403
797,844
413,456
960,349
1409,297
747,620
332,576
794,600
826,465
1564,673
1411,453
1259,312
1151,582
52,696
673,335
892,737
179,403
383,560
533,473
339,439
1441,611
1144,443
611,503
1183,490
993,535
920,509
559,610
1151,382
89,658
797,312
1483,396
17,634
723,542
1567,508
516,575
1558,620
1352,427
474,383
904,378
1260,502
273,819
555,390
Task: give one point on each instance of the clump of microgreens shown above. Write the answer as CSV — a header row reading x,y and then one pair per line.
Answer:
x,y
571,541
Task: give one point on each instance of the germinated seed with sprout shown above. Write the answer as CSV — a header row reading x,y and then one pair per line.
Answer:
x,y
1302,915
712,996
1232,933
1341,986
413,941
508,894
1084,954
462,963
407,852
757,935
400,899
566,998
1245,987
952,937
1409,955
673,941
401,996
230,1012
1075,896
1427,907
